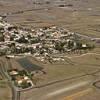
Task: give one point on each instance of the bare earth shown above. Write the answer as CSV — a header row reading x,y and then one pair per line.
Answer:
x,y
5,91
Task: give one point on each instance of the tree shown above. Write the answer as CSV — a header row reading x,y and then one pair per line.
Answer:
x,y
70,44
59,46
24,84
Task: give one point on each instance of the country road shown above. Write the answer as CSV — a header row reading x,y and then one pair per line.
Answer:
x,y
69,57
3,71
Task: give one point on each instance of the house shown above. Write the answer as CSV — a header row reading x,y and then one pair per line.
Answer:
x,y
84,45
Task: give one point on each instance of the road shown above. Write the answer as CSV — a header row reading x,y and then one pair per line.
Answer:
x,y
15,91
15,94
69,57
3,71
87,37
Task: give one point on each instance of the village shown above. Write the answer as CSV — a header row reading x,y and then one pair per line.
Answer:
x,y
42,43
